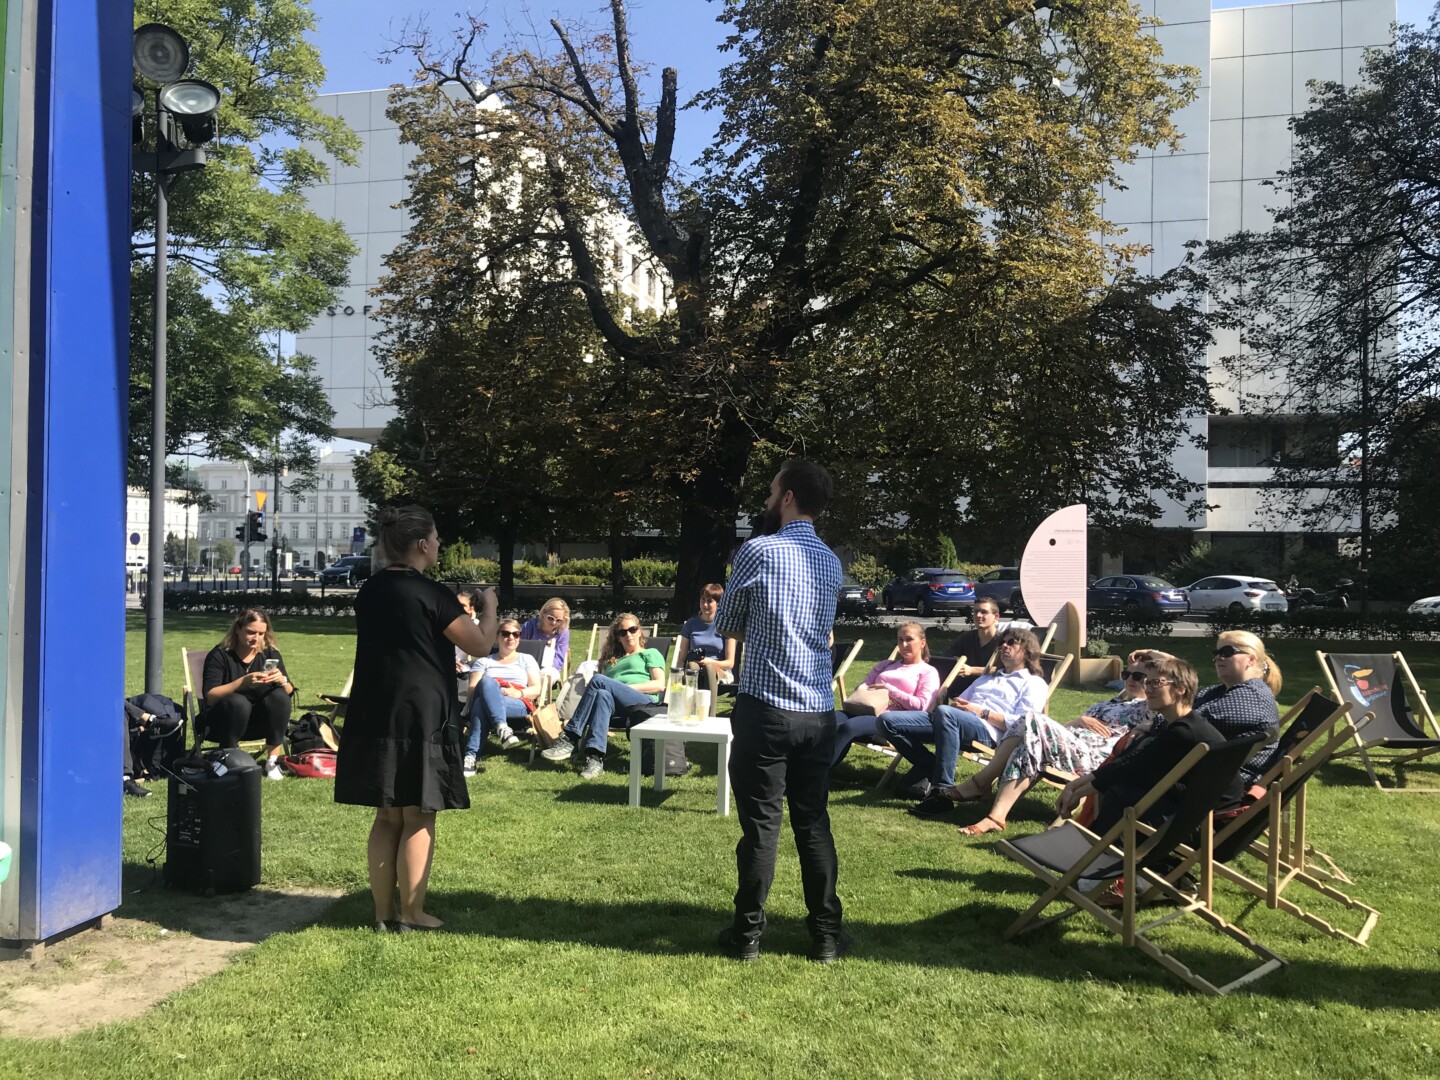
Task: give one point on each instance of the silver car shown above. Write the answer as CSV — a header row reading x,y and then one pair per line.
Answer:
x,y
1236,593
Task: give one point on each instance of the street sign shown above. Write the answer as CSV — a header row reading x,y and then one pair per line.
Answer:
x,y
135,539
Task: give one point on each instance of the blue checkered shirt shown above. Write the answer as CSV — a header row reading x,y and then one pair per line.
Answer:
x,y
781,597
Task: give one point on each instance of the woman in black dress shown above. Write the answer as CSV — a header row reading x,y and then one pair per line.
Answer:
x,y
401,752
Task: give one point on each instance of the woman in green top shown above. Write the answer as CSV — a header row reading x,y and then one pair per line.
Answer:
x,y
632,676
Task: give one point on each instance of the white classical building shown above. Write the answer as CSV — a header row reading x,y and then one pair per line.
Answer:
x,y
316,527
180,522
1254,63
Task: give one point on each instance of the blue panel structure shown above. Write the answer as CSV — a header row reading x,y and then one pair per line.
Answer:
x,y
72,723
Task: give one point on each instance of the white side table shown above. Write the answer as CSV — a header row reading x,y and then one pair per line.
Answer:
x,y
713,729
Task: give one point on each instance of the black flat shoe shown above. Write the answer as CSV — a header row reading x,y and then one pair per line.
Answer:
x,y
736,946
933,805
386,926
414,928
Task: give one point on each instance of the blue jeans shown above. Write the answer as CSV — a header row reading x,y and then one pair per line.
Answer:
x,y
947,727
603,698
850,729
489,708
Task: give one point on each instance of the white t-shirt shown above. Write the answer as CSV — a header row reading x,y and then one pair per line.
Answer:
x,y
517,669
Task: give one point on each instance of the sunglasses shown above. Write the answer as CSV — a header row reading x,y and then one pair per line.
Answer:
x,y
628,630
1133,676
550,616
1225,652
1010,641
1156,683
510,633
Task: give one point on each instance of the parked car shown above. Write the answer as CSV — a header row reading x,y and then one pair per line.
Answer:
x,y
854,598
1429,605
235,569
1236,593
349,571
1134,594
304,571
928,588
1003,586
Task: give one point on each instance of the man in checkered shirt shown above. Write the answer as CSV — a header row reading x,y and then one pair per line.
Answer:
x,y
780,601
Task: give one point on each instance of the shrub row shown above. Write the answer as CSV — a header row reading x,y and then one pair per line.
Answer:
x,y
1328,623
635,573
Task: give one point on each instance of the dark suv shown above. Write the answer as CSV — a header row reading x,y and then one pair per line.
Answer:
x,y
930,588
1003,586
351,570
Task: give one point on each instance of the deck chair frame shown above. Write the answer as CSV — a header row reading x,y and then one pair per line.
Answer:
x,y
837,681
1375,751
1132,841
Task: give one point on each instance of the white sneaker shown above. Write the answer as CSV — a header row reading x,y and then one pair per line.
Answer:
x,y
508,738
273,770
468,766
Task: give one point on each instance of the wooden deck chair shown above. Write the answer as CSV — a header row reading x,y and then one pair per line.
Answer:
x,y
948,668
1388,730
339,702
1272,828
543,653
192,662
842,655
728,689
1063,856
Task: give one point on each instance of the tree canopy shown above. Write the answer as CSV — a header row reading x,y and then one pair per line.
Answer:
x,y
889,254
248,258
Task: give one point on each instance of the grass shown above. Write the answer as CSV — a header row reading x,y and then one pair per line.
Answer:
x,y
581,930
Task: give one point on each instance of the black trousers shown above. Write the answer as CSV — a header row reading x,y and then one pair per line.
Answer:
x,y
236,717
777,756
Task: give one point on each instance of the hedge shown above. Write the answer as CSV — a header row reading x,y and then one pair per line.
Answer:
x,y
1309,623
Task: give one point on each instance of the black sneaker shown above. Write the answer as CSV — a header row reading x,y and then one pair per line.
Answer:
x,y
827,948
132,788
933,805
737,947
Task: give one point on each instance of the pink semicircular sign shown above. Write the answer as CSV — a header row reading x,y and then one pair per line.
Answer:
x,y
1052,570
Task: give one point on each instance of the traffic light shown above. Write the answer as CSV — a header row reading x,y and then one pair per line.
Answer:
x,y
256,520
240,533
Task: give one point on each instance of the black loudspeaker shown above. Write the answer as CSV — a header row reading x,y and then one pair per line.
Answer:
x,y
212,839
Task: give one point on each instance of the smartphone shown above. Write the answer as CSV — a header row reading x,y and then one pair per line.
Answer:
x,y
272,665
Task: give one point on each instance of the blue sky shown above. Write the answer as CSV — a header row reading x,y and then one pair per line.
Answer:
x,y
680,33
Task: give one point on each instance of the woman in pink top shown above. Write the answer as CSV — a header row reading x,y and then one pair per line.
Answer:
x,y
910,680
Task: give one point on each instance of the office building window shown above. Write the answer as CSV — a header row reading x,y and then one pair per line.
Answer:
x,y
310,530
329,504
345,504
294,530
345,484
224,484
329,530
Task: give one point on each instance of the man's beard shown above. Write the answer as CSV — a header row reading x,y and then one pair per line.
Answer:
x,y
765,523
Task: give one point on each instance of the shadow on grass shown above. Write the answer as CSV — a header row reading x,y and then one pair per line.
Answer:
x,y
248,916
968,937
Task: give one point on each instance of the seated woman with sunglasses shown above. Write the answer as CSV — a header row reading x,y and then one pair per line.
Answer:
x,y
1170,691
1243,701
632,676
503,688
551,625
1035,743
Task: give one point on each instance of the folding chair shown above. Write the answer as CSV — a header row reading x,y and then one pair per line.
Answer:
x,y
543,653
1132,851
842,655
716,687
1272,828
1373,687
192,662
947,676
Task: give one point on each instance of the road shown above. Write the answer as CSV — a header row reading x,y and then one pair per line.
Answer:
x,y
1185,627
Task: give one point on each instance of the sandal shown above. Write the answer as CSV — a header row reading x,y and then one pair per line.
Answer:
x,y
978,830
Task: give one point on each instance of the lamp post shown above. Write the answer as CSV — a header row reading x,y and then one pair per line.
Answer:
x,y
161,59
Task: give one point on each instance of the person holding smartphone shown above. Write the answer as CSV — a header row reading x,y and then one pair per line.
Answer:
x,y
245,690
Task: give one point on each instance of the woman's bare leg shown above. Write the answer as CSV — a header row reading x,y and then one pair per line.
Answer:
x,y
979,785
1008,795
416,851
381,852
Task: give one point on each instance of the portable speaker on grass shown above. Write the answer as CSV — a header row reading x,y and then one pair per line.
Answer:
x,y
213,831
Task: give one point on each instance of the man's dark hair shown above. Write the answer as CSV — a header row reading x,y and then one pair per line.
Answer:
x,y
811,484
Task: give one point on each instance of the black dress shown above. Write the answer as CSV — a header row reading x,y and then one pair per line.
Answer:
x,y
401,744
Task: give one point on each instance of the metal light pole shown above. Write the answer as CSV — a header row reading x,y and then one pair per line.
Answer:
x,y
161,57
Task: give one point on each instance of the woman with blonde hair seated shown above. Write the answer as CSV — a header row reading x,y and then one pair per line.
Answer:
x,y
1243,701
551,625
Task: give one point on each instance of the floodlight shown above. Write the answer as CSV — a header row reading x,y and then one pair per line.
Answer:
x,y
161,54
193,102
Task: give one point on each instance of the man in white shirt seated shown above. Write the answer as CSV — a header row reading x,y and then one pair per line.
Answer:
x,y
979,713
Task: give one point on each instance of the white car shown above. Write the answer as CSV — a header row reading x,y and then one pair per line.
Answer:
x,y
1429,605
1236,593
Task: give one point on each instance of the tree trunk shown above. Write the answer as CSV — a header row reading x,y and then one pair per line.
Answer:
x,y
617,565
709,507
505,543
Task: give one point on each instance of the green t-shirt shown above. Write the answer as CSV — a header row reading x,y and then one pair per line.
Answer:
x,y
636,667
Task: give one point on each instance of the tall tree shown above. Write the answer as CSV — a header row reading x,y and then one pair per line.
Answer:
x,y
248,257
869,153
1337,306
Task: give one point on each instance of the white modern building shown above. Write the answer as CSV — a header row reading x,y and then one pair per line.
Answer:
x,y
180,522
1254,63
363,197
316,527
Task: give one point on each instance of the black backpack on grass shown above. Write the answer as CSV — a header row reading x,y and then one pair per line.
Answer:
x,y
156,730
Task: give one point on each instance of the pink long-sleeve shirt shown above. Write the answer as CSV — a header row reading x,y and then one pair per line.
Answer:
x,y
911,686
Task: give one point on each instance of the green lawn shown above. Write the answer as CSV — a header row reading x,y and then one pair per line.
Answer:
x,y
580,936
